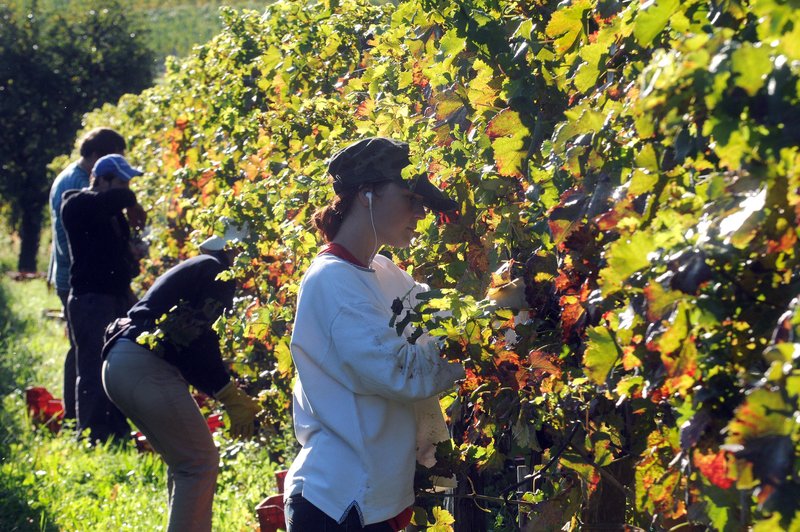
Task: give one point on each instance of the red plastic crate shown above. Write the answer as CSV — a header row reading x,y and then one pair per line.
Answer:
x,y
280,477
215,422
270,510
270,513
43,408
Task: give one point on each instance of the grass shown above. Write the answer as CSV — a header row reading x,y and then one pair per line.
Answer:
x,y
53,482
173,27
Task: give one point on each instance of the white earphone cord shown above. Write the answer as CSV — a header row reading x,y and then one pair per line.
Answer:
x,y
374,231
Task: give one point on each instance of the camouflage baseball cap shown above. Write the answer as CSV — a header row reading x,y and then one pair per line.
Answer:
x,y
376,159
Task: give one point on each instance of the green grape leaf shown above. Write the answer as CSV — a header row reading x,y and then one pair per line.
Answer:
x,y
751,64
642,182
587,73
652,18
450,46
764,413
601,356
566,25
625,257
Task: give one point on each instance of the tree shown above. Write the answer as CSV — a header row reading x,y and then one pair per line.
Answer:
x,y
55,66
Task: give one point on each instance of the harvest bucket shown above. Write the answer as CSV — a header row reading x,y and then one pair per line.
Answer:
x,y
270,513
270,510
43,408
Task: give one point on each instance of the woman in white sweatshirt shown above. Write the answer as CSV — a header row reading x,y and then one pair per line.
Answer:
x,y
358,381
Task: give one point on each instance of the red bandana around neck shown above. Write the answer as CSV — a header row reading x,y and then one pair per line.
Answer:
x,y
343,253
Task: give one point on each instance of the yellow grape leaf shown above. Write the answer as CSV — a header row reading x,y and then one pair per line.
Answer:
x,y
764,413
442,520
284,357
479,91
508,135
566,25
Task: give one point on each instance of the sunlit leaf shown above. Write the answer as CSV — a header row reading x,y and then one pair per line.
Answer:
x,y
751,64
566,25
625,257
602,354
508,136
714,467
652,18
764,413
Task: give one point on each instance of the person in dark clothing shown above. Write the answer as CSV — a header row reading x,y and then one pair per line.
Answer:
x,y
95,144
102,267
166,343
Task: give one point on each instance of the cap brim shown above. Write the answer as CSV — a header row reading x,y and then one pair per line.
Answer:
x,y
124,170
432,197
127,176
213,243
237,233
233,234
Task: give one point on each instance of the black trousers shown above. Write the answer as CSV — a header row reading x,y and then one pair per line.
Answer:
x,y
89,314
302,516
70,369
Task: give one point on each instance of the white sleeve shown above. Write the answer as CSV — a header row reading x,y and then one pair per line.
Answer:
x,y
380,362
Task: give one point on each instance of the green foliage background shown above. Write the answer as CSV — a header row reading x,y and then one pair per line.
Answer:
x,y
635,163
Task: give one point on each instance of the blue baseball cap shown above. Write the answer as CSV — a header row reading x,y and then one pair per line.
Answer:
x,y
115,165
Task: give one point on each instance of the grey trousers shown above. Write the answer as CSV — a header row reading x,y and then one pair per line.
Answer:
x,y
154,395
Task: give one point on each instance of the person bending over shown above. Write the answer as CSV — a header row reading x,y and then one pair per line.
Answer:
x,y
165,344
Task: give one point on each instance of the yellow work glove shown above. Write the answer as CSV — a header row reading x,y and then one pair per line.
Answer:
x,y
241,409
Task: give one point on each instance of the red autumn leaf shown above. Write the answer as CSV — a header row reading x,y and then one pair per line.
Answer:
x,y
508,366
540,362
204,178
714,467
572,312
560,229
470,382
563,281
765,492
365,108
786,242
419,79
476,257
609,219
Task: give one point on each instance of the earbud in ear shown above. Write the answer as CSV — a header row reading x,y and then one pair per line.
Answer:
x,y
368,195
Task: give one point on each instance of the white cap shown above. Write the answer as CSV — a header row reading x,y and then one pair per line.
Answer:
x,y
232,234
